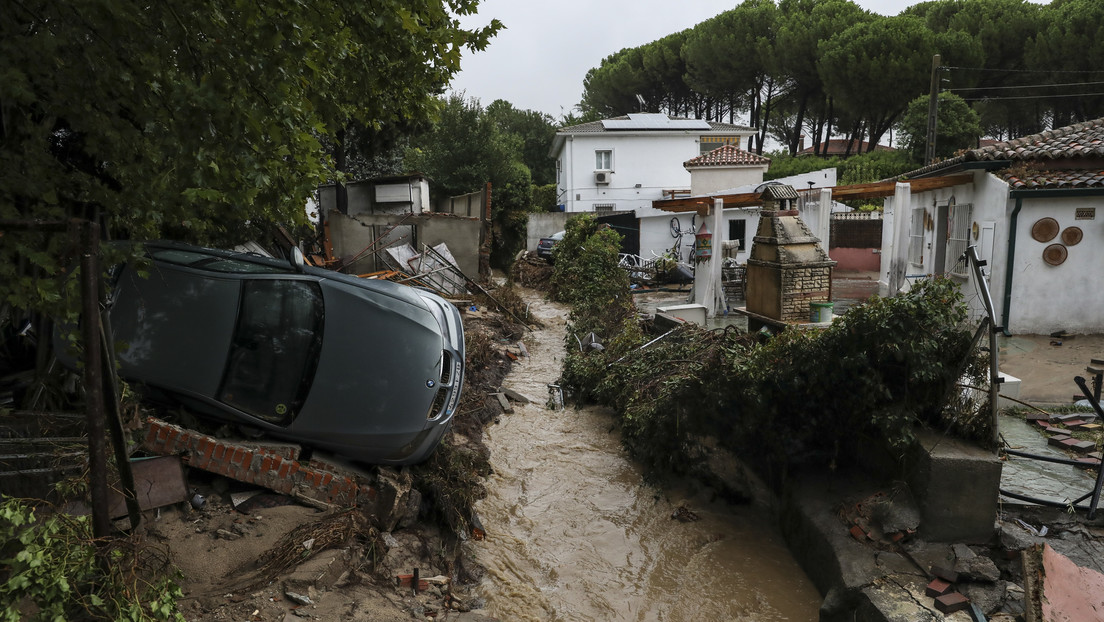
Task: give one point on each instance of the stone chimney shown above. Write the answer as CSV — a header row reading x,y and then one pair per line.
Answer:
x,y
788,268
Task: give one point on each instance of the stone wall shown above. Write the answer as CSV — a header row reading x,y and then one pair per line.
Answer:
x,y
801,286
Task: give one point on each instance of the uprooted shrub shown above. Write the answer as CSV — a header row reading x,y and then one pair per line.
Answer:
x,y
587,277
803,396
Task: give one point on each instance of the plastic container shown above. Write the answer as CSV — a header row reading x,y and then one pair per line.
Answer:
x,y
820,312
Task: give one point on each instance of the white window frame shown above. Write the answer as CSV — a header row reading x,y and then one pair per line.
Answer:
x,y
603,157
916,237
604,207
958,238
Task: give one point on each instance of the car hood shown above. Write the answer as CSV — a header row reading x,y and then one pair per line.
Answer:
x,y
378,376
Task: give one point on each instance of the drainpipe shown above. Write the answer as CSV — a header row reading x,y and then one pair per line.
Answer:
x,y
1008,265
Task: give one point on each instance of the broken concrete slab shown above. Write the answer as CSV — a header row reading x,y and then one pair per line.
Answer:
x,y
515,396
323,571
505,403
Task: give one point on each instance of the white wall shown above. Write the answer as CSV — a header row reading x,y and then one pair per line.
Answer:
x,y
1066,297
711,179
653,162
1044,298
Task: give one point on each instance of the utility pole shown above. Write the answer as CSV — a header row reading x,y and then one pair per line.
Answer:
x,y
933,110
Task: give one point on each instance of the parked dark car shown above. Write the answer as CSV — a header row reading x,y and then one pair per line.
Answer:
x,y
544,247
368,369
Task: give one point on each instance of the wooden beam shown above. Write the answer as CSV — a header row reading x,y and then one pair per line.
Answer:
x,y
880,189
883,189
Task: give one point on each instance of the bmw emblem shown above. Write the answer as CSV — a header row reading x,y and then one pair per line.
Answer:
x,y
430,383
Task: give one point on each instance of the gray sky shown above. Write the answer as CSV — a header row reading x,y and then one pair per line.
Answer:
x,y
539,60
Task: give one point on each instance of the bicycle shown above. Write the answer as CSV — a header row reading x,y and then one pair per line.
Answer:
x,y
677,232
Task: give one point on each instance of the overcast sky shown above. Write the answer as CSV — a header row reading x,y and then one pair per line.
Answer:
x,y
539,60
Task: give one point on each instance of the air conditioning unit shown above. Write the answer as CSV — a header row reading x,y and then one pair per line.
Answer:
x,y
601,177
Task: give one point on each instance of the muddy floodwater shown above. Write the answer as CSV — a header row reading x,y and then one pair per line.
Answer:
x,y
575,533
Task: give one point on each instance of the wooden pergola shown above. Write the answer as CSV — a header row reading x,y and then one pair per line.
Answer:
x,y
876,190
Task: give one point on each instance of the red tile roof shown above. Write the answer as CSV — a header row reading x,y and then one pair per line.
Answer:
x,y
1067,157
727,155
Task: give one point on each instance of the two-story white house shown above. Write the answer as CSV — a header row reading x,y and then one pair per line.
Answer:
x,y
625,163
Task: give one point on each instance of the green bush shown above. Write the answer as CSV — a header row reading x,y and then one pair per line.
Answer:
x,y
803,396
54,570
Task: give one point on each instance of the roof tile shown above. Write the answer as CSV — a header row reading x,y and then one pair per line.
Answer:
x,y
727,155
1078,147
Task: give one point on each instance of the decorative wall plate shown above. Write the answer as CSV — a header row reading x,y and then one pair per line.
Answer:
x,y
1044,229
1055,254
1071,236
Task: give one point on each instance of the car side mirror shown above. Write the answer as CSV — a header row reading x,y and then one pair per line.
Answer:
x,y
297,260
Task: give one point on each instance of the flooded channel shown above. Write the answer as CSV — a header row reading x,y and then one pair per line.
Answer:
x,y
574,532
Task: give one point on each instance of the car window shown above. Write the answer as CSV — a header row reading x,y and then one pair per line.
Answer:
x,y
215,263
274,350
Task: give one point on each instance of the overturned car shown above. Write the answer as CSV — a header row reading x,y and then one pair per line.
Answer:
x,y
368,369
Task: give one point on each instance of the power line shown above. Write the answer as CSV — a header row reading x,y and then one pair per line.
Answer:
x,y
1047,71
1022,86
975,99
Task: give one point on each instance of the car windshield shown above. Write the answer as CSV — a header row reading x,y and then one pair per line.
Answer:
x,y
275,348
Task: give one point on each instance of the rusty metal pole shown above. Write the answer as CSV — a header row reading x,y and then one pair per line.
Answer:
x,y
93,381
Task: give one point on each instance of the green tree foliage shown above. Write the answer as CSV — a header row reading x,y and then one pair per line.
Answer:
x,y
826,68
610,89
535,131
870,70
805,25
587,276
467,146
875,166
189,120
742,80
958,127
1001,30
784,165
1072,37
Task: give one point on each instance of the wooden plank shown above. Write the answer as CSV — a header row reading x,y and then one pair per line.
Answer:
x,y
880,189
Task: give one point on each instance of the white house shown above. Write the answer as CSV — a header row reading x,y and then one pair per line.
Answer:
x,y
625,163
1034,209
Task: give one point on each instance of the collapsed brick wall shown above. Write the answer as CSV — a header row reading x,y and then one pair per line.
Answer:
x,y
273,466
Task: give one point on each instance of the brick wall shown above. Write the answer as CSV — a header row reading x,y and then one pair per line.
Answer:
x,y
274,466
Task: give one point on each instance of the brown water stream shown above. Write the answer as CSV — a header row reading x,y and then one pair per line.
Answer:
x,y
574,533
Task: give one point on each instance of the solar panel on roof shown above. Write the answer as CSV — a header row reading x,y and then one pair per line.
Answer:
x,y
652,121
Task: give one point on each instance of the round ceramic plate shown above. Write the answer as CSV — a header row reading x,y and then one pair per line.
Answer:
x,y
1055,254
1044,229
1071,236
